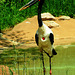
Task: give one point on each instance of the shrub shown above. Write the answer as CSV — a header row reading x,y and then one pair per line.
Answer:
x,y
10,14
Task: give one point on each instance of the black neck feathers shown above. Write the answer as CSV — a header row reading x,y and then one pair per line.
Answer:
x,y
39,13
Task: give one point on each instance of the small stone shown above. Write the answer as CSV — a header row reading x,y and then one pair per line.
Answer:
x,y
64,18
27,22
47,16
51,24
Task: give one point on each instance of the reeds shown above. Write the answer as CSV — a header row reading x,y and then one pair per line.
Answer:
x,y
28,61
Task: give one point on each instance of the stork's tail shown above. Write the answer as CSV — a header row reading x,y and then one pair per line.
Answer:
x,y
54,52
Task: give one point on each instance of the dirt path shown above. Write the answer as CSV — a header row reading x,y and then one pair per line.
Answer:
x,y
25,33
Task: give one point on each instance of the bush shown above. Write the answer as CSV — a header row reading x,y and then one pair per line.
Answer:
x,y
10,14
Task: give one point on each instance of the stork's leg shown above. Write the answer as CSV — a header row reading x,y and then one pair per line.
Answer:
x,y
49,61
50,65
43,62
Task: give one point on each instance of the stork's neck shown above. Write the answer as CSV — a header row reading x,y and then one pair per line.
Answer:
x,y
39,13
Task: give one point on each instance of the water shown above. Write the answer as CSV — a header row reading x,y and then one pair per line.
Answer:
x,y
28,61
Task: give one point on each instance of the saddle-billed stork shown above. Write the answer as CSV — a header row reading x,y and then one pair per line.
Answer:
x,y
44,36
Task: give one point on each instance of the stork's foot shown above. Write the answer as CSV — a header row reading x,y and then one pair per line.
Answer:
x,y
50,72
44,70
54,52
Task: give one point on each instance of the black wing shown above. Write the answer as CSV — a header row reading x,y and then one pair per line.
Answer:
x,y
36,38
51,37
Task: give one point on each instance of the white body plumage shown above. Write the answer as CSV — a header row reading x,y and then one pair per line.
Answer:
x,y
44,40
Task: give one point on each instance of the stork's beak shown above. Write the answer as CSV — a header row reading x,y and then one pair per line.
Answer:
x,y
29,4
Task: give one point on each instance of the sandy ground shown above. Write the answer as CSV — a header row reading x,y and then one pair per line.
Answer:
x,y
25,33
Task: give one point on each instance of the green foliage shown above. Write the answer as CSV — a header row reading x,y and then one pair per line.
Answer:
x,y
10,14
11,73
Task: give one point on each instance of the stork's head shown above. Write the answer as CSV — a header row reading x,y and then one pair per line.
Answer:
x,y
32,2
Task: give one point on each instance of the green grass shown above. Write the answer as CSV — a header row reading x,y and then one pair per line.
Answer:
x,y
10,14
28,61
